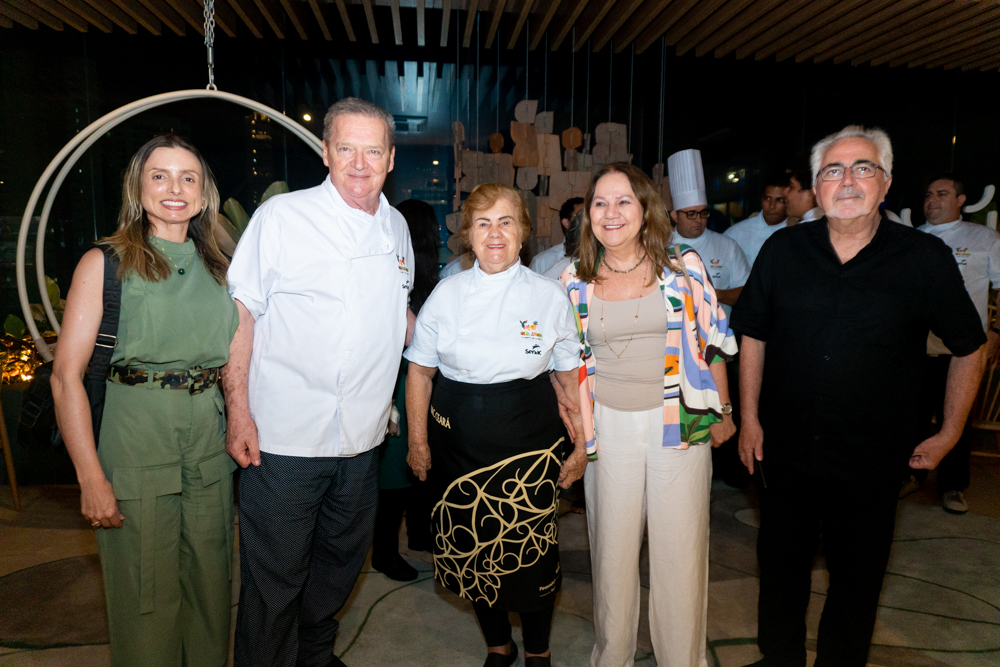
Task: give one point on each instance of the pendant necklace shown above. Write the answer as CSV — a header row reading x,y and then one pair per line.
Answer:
x,y
635,320
180,269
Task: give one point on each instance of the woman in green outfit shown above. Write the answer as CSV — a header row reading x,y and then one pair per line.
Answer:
x,y
159,489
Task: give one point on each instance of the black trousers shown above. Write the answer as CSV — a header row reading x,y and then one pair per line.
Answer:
x,y
856,521
953,471
535,626
305,529
412,501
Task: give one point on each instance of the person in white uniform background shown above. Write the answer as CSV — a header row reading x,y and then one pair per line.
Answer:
x,y
726,265
490,427
557,255
977,251
723,257
321,279
800,203
752,232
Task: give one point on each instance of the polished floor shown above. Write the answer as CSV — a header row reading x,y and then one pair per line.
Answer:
x,y
940,604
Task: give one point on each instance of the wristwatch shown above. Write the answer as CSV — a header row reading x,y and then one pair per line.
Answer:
x,y
727,408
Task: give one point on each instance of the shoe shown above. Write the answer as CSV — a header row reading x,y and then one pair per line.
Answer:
x,y
398,570
909,486
501,660
420,545
954,502
538,661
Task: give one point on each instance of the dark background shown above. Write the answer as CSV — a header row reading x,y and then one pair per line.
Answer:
x,y
748,118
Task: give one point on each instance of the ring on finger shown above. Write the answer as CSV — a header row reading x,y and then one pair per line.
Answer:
x,y
95,524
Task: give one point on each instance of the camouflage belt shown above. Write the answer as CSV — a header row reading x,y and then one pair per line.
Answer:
x,y
195,379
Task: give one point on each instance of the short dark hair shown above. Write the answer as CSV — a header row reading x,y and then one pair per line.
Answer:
x,y
801,172
775,180
959,185
566,210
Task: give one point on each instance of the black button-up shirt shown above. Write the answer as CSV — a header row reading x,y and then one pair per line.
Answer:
x,y
845,344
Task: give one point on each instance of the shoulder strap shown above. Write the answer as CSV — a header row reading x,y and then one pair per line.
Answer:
x,y
107,335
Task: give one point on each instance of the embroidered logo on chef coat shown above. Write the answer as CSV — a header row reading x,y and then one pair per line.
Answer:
x,y
530,329
535,349
405,270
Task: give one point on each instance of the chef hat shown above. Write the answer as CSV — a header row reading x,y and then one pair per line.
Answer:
x,y
687,179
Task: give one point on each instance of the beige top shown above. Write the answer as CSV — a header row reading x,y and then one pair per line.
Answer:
x,y
632,382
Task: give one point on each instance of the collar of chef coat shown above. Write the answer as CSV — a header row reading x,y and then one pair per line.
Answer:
x,y
677,238
362,235
942,228
483,280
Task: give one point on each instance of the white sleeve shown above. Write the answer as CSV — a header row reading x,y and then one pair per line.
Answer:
x,y
993,267
253,272
566,352
741,267
423,349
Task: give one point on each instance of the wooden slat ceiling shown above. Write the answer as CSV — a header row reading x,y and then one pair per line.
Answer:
x,y
948,34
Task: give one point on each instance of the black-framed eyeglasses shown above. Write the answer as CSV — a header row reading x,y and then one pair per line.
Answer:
x,y
696,215
835,172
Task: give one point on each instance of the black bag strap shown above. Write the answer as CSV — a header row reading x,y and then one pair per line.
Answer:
x,y
107,335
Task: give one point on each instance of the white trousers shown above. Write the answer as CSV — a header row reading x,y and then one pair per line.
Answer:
x,y
636,481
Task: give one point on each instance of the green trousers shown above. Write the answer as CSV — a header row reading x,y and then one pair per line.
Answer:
x,y
167,571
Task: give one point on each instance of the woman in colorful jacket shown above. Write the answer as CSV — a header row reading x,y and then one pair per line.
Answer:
x,y
646,417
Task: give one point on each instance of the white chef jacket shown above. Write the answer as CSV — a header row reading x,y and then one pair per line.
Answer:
x,y
485,329
751,234
815,213
328,287
453,267
977,251
545,259
723,257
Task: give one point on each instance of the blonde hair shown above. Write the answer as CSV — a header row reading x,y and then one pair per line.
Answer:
x,y
483,198
654,234
131,242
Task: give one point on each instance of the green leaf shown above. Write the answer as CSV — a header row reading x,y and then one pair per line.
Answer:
x,y
236,215
276,188
229,228
53,289
14,326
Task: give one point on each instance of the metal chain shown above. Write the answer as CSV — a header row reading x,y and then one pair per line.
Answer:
x,y
210,42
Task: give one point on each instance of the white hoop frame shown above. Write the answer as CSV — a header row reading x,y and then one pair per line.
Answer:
x,y
78,146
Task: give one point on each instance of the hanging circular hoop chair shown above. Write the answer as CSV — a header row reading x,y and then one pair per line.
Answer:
x,y
78,146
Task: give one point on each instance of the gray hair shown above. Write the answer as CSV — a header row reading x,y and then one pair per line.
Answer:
x,y
878,137
354,105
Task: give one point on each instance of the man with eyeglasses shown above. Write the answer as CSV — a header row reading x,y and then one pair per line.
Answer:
x,y
976,249
752,232
835,318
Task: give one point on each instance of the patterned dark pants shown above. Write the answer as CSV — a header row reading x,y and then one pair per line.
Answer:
x,y
305,528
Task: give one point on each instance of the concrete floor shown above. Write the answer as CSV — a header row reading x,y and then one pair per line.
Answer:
x,y
940,604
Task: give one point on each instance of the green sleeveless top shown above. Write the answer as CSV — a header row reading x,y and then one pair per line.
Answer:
x,y
184,321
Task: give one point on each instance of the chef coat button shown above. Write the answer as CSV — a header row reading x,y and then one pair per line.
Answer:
x,y
349,355
473,290
464,331
340,399
465,372
354,306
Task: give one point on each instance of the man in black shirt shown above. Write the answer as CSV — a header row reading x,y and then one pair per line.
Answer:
x,y
835,317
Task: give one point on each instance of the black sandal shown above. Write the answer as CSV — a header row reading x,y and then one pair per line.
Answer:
x,y
501,660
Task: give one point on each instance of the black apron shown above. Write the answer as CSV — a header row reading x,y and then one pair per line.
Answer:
x,y
496,450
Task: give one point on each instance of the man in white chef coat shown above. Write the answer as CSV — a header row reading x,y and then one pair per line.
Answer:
x,y
752,232
977,251
321,278
726,265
